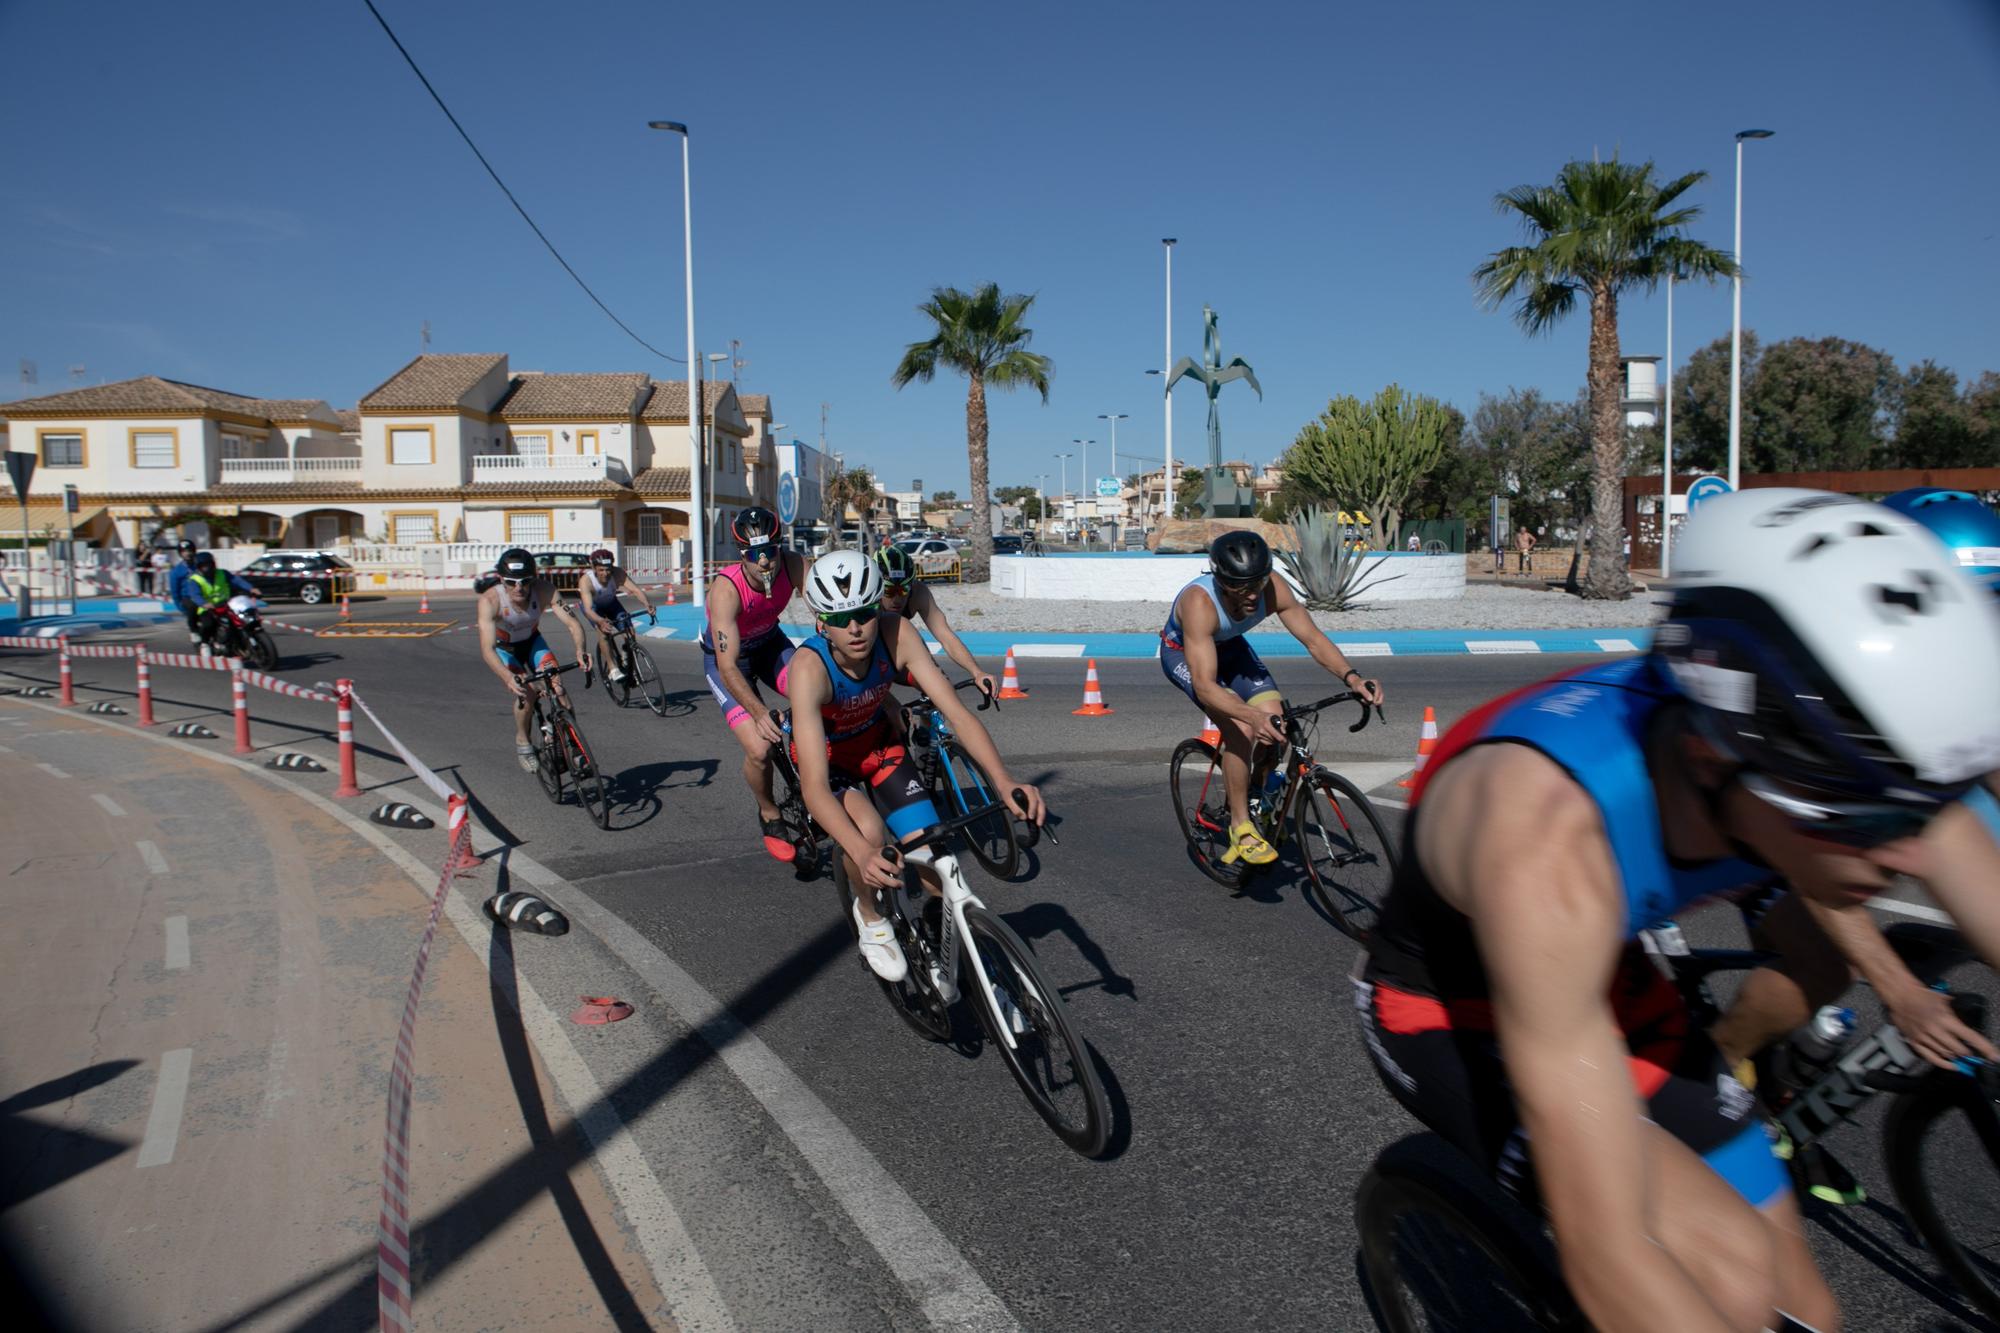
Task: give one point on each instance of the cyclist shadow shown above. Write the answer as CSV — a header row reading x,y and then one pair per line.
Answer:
x,y
636,790
1861,1229
681,703
1042,920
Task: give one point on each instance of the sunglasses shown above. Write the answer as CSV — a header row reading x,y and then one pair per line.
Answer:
x,y
1858,824
762,555
860,615
515,583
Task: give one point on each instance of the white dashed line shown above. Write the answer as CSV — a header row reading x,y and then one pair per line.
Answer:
x,y
163,1126
177,943
1618,645
111,807
1365,649
1048,650
1502,646
52,770
155,863
1917,910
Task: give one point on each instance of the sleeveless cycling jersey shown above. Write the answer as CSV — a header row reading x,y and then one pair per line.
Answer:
x,y
1593,722
758,612
516,624
856,703
604,593
1225,628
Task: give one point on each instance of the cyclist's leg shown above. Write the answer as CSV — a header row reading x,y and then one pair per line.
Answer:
x,y
756,750
1240,670
854,798
1810,971
899,793
523,749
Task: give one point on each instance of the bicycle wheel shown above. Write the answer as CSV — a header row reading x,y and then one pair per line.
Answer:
x,y
1048,1059
1201,804
1349,859
1444,1250
548,759
966,787
807,858
648,677
913,999
1942,1148
591,792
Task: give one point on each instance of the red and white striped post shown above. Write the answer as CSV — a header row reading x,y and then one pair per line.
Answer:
x,y
239,699
62,666
344,692
145,690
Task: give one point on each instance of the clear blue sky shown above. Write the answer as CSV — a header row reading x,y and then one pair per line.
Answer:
x,y
260,196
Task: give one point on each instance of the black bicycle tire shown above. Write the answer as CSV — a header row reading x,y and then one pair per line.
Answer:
x,y
1342,912
1910,1117
1089,1138
952,754
1405,1178
548,757
587,777
1229,877
807,859
920,1008
648,672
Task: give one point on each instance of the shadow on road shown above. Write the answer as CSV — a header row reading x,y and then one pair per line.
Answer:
x,y
39,1154
1046,919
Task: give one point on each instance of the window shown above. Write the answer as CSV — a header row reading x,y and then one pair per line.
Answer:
x,y
649,530
586,442
410,444
232,447
528,525
62,451
532,446
412,529
155,448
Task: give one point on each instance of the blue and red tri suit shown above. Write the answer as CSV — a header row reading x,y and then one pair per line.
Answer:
x,y
862,747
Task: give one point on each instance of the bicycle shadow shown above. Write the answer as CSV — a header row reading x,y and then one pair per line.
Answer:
x,y
1850,1227
42,1155
1042,920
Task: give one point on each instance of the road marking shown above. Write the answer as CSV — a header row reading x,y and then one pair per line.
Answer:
x,y
1048,650
5,750
111,807
660,632
163,1126
1618,645
1365,649
1502,646
1917,910
177,942
52,770
1369,776
1389,801
155,863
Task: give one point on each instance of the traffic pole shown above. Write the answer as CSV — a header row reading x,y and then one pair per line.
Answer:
x,y
145,691
62,666
344,694
239,698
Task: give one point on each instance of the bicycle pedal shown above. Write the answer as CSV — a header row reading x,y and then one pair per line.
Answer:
x,y
946,988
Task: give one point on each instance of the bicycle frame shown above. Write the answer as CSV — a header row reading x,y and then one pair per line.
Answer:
x,y
958,896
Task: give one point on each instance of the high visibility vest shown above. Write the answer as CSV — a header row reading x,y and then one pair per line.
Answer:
x,y
215,592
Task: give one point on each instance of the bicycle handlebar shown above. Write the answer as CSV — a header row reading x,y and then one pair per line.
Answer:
x,y
1334,701
547,673
937,833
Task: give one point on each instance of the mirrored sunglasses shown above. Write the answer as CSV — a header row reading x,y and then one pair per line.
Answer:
x,y
860,615
1860,824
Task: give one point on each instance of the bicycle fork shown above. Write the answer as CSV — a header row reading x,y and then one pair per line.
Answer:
x,y
957,897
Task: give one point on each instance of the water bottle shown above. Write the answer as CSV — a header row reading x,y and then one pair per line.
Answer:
x,y
1275,783
1812,1048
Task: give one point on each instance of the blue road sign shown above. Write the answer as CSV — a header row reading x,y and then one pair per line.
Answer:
x,y
1705,489
788,498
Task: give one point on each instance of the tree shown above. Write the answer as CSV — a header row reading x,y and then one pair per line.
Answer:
x,y
1701,405
1602,228
944,497
982,336
1370,455
1935,427
1537,454
1818,405
1187,492
855,488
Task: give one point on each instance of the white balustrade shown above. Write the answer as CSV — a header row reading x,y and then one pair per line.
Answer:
x,y
290,469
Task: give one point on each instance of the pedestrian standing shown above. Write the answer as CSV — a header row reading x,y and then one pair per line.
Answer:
x,y
1525,540
144,567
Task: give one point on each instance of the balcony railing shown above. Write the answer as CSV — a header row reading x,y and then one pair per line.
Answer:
x,y
549,467
291,469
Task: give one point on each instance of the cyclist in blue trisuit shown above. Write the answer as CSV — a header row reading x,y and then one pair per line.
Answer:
x,y
1820,701
1203,651
597,590
854,772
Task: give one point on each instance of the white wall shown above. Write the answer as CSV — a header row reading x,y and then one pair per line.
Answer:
x,y
107,455
1158,578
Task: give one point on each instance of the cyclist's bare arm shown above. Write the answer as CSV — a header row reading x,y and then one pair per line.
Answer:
x,y
1542,899
927,609
723,605
626,583
586,589
807,689
1198,626
1294,616
489,635
907,650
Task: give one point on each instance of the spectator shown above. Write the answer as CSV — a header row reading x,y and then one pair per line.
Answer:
x,y
1524,540
1416,542
162,563
143,566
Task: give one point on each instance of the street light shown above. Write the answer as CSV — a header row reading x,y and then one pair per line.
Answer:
x,y
1063,477
1083,475
1167,360
1667,454
1736,323
696,531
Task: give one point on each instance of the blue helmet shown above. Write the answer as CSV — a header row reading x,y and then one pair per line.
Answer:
x,y
1961,522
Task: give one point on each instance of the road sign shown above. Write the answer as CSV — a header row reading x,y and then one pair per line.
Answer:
x,y
1704,489
1108,488
788,498
21,469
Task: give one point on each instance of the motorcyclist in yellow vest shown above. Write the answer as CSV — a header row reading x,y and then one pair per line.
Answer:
x,y
212,587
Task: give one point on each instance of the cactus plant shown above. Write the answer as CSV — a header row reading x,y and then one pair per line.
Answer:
x,y
1327,570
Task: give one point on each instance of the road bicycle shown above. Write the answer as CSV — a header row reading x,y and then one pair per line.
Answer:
x,y
1444,1248
561,754
959,786
637,672
957,947
1349,858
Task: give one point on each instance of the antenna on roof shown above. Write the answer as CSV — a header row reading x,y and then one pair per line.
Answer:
x,y
427,339
27,371
76,373
736,361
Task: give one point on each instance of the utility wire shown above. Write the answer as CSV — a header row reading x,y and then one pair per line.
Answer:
x,y
509,193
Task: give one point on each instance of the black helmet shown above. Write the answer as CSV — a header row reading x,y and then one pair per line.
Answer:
x,y
1240,557
185,547
515,563
754,526
897,567
204,562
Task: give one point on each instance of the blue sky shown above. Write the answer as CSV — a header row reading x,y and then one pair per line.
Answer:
x,y
260,197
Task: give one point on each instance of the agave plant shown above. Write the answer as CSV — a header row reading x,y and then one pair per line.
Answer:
x,y
1327,569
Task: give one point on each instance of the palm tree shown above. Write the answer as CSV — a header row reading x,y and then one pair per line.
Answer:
x,y
1601,228
981,336
853,488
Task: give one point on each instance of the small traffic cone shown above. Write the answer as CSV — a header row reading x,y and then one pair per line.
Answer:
x,y
345,612
1426,743
1010,680
1211,735
424,607
671,599
1093,697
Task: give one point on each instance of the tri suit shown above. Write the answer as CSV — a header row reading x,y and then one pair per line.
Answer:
x,y
520,640
762,651
1422,991
1237,665
862,747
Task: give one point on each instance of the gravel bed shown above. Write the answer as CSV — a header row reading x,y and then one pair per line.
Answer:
x,y
1484,606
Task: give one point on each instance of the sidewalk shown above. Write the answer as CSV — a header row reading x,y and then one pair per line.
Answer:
x,y
204,980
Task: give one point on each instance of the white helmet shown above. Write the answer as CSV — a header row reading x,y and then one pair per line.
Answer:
x,y
843,581
1832,643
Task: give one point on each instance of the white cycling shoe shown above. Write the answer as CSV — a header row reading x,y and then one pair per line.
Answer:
x,y
879,948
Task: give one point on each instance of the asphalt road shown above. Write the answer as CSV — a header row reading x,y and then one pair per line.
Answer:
x,y
1247,1108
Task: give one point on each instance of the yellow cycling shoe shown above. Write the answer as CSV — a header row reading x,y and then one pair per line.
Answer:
x,y
1248,846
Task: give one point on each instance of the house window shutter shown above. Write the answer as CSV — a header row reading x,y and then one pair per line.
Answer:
x,y
409,446
152,448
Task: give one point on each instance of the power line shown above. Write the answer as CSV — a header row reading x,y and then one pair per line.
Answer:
x,y
411,60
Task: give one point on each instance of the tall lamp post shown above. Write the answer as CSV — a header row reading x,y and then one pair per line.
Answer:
x,y
1667,456
708,434
1083,477
1063,478
1736,324
1167,360
696,528
1114,418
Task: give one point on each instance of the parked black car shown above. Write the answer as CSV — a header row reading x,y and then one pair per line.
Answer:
x,y
311,576
565,567
1006,543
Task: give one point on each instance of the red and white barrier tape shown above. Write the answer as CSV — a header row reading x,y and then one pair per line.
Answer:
x,y
392,1224
296,629
276,686
194,661
105,650
437,784
24,641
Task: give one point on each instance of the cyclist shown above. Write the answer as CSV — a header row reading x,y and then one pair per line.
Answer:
x,y
855,775
742,645
1823,688
1968,527
1203,651
510,636
597,596
207,589
904,595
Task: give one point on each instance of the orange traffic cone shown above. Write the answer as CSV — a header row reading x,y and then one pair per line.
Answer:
x,y
1010,680
1211,734
1093,697
671,599
1426,743
424,607
345,613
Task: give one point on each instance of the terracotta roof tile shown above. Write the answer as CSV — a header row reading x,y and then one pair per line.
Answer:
x,y
667,483
148,393
585,487
349,419
596,396
433,382
670,399
279,490
755,404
